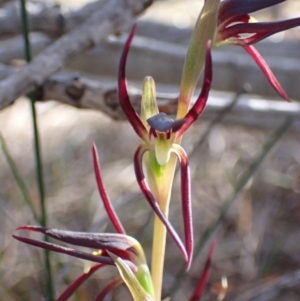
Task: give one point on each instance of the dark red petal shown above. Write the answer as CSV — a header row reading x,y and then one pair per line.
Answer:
x,y
116,243
77,282
125,103
106,202
109,287
232,8
186,203
138,167
260,30
64,250
266,70
200,103
204,276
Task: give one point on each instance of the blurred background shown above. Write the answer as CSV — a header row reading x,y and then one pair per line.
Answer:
x,y
258,242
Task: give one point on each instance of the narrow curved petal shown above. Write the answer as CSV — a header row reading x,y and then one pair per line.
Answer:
x,y
125,103
120,244
68,251
186,201
204,276
138,167
69,291
231,8
266,70
200,103
260,30
108,288
106,202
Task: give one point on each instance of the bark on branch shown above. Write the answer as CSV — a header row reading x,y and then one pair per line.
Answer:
x,y
13,48
83,92
98,94
111,18
47,17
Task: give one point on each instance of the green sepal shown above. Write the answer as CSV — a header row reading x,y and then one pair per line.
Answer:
x,y
149,106
138,292
144,278
205,30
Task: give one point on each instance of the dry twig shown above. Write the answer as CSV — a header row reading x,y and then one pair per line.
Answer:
x,y
13,48
83,92
98,94
111,18
47,17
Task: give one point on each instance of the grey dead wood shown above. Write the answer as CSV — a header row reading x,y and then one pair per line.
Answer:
x,y
13,48
6,71
111,18
47,17
86,92
232,66
163,55
164,61
102,95
55,19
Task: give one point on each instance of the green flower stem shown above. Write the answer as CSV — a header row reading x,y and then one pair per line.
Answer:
x,y
281,130
158,255
160,182
39,167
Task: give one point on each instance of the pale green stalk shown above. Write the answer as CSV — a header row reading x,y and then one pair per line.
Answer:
x,y
160,179
160,182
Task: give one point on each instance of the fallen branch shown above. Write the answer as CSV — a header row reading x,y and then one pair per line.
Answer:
x,y
111,18
101,95
47,17
6,71
13,48
232,66
82,92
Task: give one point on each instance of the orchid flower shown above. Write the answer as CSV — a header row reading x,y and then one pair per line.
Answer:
x,y
229,22
117,249
159,134
110,249
237,27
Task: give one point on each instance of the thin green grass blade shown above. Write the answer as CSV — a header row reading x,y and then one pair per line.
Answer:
x,y
18,178
281,130
37,150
